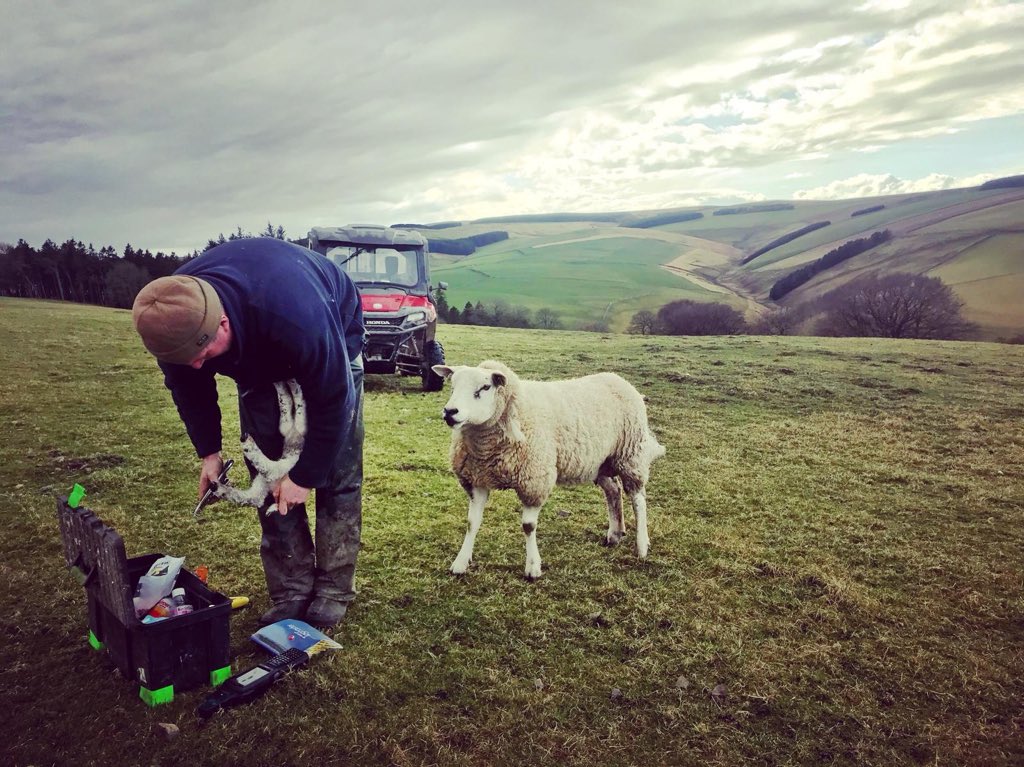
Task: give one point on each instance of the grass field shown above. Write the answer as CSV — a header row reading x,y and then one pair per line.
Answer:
x,y
608,278
835,572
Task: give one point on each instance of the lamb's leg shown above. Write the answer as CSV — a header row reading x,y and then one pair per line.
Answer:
x,y
613,496
298,427
293,430
251,496
287,405
477,501
530,516
263,465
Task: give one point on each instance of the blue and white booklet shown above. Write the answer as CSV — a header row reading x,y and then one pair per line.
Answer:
x,y
289,633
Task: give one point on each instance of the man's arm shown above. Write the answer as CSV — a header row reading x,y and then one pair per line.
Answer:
x,y
314,346
195,395
330,412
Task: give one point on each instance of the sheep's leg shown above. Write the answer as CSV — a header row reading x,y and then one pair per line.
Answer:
x,y
477,501
297,431
639,500
293,417
530,516
251,496
292,427
613,496
286,404
255,456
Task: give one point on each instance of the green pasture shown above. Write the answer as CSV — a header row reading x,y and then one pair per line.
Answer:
x,y
1000,255
842,229
989,279
998,218
609,278
749,231
986,272
835,570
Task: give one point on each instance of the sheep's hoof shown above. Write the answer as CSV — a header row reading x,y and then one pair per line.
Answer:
x,y
613,539
459,569
532,575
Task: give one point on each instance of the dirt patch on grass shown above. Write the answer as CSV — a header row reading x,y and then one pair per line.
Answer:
x,y
86,464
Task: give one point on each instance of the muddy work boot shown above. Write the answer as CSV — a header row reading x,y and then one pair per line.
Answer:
x,y
294,609
326,613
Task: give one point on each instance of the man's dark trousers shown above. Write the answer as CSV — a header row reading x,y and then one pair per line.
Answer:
x,y
297,569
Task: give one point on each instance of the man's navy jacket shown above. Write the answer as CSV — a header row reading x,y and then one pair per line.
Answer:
x,y
293,314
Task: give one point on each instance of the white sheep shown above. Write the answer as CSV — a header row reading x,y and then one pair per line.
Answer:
x,y
528,436
293,429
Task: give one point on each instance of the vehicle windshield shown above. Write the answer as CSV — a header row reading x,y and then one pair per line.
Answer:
x,y
372,264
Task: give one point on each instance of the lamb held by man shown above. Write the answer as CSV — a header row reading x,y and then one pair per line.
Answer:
x,y
528,436
269,472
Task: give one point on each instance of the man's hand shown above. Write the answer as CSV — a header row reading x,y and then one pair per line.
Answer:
x,y
212,467
288,494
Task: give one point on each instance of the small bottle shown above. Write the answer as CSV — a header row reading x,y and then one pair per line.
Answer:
x,y
178,596
163,609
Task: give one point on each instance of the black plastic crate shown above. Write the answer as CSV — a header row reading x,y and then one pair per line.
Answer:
x,y
174,654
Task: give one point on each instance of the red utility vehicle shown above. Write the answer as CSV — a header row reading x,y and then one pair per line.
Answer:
x,y
392,271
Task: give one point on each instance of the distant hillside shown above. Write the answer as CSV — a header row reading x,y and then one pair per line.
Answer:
x,y
1009,182
608,266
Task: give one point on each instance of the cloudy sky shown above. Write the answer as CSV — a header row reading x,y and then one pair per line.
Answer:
x,y
163,124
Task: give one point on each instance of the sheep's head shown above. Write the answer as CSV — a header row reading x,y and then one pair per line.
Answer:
x,y
478,394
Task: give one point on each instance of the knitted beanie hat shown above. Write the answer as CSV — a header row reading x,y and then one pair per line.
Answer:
x,y
177,317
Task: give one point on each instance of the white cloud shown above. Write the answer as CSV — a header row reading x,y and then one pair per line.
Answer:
x,y
844,93
868,185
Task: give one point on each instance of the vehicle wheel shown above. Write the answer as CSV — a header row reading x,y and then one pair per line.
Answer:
x,y
434,354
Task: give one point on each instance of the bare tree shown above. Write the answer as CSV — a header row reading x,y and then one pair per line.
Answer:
x,y
778,322
548,319
643,323
698,318
895,306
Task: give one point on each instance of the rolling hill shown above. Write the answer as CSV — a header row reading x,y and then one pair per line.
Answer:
x,y
609,266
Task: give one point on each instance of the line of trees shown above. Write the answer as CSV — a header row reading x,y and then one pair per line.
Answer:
x,y
768,207
784,239
848,249
74,271
498,314
1007,182
892,306
464,246
238,234
662,219
689,318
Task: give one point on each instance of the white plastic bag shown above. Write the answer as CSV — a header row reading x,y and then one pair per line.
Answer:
x,y
156,583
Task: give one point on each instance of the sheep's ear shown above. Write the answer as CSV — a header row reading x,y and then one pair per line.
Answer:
x,y
443,370
510,422
498,379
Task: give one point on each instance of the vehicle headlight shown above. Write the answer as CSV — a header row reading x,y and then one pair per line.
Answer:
x,y
415,318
